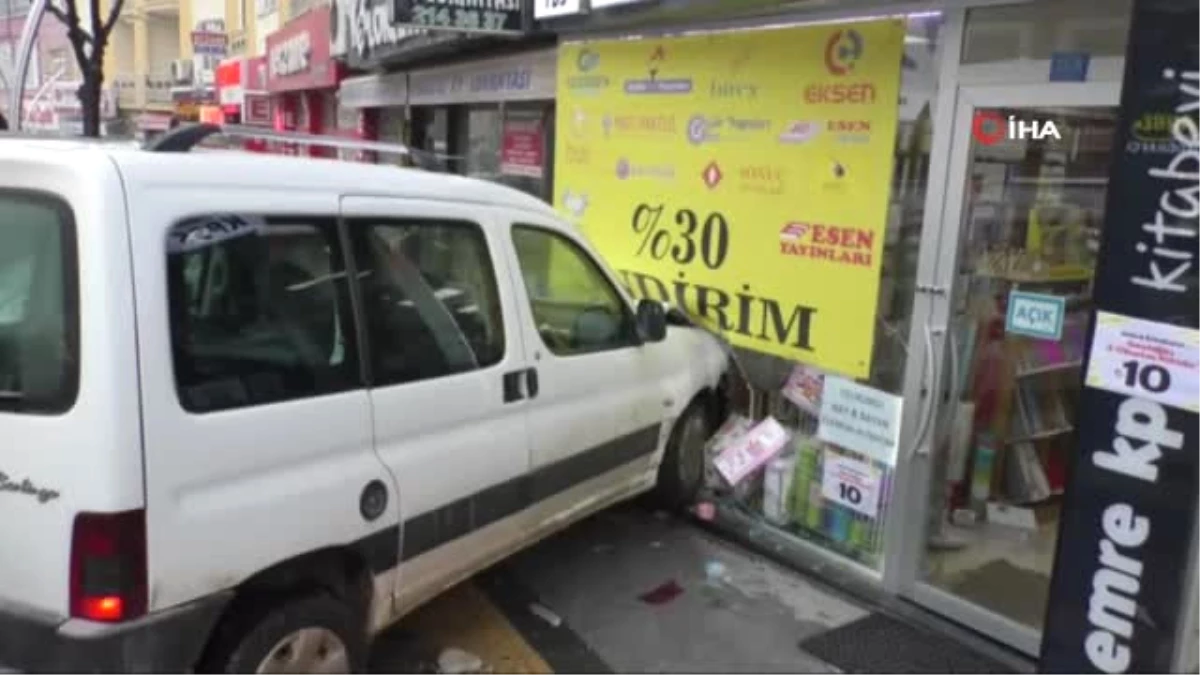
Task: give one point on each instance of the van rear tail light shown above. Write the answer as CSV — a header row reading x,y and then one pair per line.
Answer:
x,y
108,566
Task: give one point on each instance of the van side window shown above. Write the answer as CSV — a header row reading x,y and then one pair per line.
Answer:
x,y
430,302
39,304
260,310
575,307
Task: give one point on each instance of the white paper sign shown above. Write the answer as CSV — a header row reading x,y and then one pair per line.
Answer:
x,y
751,451
851,483
860,418
544,9
1146,359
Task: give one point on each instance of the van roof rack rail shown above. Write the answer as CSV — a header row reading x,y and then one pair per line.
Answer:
x,y
185,137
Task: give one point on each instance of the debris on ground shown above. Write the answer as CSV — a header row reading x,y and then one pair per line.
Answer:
x,y
542,612
656,544
662,515
706,511
715,572
603,548
662,594
455,661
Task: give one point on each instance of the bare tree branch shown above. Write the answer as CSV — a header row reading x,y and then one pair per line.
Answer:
x,y
74,32
114,13
76,35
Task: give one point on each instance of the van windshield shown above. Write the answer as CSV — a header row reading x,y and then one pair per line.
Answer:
x,y
39,366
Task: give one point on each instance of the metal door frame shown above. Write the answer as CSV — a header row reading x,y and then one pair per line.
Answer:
x,y
939,290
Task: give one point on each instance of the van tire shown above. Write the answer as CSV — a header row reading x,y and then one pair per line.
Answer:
x,y
681,474
247,636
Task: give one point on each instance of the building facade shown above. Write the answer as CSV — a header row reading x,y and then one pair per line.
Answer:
x,y
936,474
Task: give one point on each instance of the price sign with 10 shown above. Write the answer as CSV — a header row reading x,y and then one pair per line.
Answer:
x,y
1147,359
851,483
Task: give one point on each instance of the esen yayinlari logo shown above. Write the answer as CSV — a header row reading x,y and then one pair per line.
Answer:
x,y
836,243
990,127
655,84
843,50
585,79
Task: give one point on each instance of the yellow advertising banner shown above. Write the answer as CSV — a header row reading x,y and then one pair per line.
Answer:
x,y
744,176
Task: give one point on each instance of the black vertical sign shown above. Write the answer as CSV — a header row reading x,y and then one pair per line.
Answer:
x,y
1123,548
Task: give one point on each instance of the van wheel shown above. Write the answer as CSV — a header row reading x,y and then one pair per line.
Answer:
x,y
307,634
681,474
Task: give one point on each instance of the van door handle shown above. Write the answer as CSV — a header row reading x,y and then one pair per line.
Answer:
x,y
531,379
512,384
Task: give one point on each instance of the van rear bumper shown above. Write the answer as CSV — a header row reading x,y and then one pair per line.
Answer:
x,y
167,641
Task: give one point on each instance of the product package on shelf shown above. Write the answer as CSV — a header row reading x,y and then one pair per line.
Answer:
x,y
751,450
744,451
734,428
803,388
838,497
983,471
777,488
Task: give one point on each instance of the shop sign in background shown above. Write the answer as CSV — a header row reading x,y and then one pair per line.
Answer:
x,y
753,195
521,148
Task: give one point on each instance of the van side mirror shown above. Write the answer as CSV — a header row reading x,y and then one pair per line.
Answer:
x,y
651,321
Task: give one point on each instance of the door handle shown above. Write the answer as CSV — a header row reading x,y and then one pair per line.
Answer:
x,y
934,389
531,381
513,391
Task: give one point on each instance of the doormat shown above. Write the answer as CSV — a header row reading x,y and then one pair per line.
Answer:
x,y
881,644
1002,587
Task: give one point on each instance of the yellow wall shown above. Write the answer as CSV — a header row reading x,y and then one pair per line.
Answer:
x,y
186,23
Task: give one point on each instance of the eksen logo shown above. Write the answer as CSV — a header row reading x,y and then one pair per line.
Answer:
x,y
843,49
853,93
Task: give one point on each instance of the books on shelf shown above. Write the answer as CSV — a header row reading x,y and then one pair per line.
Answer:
x,y
1026,477
1041,413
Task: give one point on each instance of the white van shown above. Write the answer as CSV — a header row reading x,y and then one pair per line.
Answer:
x,y
254,408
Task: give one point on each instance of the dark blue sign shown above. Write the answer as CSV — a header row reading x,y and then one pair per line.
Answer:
x,y
1120,573
1069,66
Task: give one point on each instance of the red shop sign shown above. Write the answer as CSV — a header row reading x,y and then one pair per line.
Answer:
x,y
230,90
522,150
255,78
298,54
257,110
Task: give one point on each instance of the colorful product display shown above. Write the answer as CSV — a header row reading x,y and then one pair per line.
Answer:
x,y
843,528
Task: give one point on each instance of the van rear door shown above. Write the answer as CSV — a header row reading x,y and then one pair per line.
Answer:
x,y
69,440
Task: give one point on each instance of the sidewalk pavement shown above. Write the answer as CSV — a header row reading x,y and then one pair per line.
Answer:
x,y
630,590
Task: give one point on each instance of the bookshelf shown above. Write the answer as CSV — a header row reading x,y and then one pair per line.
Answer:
x,y
1023,391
